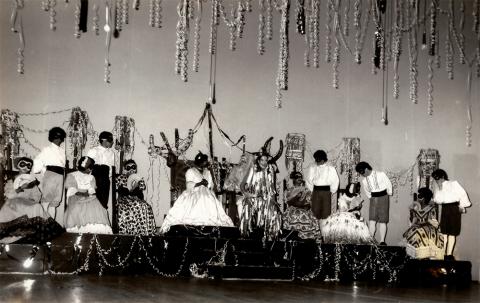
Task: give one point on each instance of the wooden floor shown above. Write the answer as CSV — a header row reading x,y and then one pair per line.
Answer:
x,y
89,288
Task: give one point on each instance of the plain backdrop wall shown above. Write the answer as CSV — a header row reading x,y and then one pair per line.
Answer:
x,y
62,72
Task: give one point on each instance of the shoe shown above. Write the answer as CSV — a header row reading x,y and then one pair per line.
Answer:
x,y
383,244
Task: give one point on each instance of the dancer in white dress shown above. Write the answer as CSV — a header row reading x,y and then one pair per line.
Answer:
x,y
84,212
197,205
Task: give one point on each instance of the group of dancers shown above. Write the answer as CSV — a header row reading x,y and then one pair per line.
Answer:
x,y
254,181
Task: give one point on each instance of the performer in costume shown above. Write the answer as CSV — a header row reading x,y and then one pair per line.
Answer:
x,y
346,226
378,188
423,236
104,158
84,212
23,196
454,201
298,215
197,205
260,206
235,180
135,215
51,163
323,181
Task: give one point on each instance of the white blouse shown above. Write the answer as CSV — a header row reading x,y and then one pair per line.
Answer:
x,y
377,181
193,176
85,183
451,192
52,155
322,175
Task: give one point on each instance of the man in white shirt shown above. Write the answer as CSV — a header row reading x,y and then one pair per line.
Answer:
x,y
322,179
378,188
454,201
104,158
51,163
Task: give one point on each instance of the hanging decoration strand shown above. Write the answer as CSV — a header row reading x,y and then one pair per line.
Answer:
x,y
96,18
196,38
108,39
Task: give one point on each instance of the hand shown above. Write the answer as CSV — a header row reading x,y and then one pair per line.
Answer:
x,y
462,209
203,182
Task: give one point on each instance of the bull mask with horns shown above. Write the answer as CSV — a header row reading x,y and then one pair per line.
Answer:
x,y
265,151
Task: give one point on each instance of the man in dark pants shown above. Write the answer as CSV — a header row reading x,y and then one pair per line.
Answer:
x,y
104,158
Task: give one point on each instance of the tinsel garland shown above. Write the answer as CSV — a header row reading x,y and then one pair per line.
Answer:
x,y
11,132
213,27
261,28
397,48
196,37
241,10
118,17
433,29
449,44
413,55
157,14
307,39
233,29
96,18
375,262
328,32
183,29
401,178
77,131
300,16
428,160
269,17
349,158
77,20
124,136
461,38
315,32
346,18
295,151
125,12
430,87
108,39
138,249
16,26
282,74
360,36
49,6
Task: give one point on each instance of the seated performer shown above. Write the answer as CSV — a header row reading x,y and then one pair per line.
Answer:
x,y
378,189
135,215
23,196
346,225
298,215
423,236
454,201
84,212
51,163
197,205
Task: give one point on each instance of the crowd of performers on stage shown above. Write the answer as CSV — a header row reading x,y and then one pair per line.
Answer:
x,y
252,188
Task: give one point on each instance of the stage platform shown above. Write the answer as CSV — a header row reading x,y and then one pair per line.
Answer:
x,y
218,252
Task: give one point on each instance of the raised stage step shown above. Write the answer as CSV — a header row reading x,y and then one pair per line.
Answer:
x,y
251,272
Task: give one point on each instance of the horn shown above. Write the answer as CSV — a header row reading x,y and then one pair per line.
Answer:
x,y
279,153
266,146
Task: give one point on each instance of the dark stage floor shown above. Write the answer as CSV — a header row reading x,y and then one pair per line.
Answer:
x,y
90,288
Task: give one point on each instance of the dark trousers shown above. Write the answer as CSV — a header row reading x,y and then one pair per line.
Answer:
x,y
321,202
102,178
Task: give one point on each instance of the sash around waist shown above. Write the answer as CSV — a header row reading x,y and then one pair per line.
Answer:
x,y
379,193
322,187
56,169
